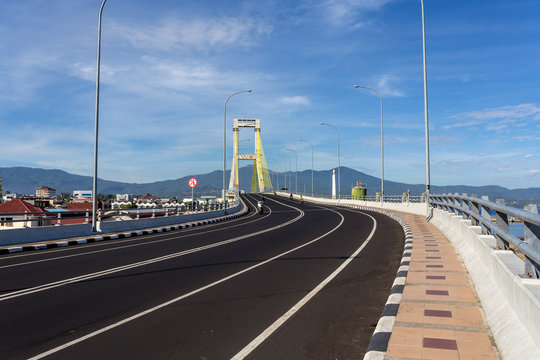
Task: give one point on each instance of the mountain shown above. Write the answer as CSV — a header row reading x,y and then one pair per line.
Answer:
x,y
24,180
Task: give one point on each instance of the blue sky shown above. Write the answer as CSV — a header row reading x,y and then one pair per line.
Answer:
x,y
168,66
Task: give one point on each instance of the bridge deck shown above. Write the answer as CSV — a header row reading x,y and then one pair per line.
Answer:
x,y
440,315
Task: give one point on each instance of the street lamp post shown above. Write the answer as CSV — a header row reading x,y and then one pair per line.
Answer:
x,y
296,172
225,139
382,139
339,175
309,142
284,171
426,109
96,124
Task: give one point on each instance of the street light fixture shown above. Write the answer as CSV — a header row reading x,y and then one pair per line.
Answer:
x,y
382,139
296,172
225,139
309,142
96,124
339,175
426,109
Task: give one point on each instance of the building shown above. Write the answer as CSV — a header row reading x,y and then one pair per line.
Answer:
x,y
9,197
82,195
45,192
124,197
19,214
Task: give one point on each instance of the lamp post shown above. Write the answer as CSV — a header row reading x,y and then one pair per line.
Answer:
x,y
426,109
339,175
284,171
382,139
296,172
225,138
96,124
309,142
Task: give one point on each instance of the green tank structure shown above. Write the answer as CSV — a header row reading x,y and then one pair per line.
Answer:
x,y
359,191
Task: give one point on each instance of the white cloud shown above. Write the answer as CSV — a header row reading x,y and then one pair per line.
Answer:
x,y
504,112
497,118
199,33
295,100
385,84
345,13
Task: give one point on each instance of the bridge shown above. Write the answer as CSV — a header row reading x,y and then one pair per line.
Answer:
x,y
326,278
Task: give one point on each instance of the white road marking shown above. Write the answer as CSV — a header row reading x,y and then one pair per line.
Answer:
x,y
80,278
266,333
160,306
154,240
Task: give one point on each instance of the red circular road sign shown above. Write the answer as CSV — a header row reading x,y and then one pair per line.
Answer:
x,y
192,182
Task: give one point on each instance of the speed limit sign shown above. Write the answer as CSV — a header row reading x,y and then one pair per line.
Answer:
x,y
192,182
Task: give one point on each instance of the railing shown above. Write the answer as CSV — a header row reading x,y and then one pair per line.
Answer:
x,y
32,219
405,198
494,219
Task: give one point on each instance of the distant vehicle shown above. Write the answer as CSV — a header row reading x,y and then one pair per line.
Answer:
x,y
284,189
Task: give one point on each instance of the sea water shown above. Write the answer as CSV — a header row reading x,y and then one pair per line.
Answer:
x,y
516,229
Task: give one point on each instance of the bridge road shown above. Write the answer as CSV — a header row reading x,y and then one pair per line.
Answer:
x,y
212,292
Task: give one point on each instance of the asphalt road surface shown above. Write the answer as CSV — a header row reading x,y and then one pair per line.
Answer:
x,y
298,282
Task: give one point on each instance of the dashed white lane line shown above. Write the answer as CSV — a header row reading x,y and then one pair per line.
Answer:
x,y
160,306
88,276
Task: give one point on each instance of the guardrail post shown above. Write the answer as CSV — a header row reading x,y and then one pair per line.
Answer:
x,y
457,204
166,212
25,218
502,221
475,209
486,214
532,237
138,214
86,218
59,221
465,207
153,212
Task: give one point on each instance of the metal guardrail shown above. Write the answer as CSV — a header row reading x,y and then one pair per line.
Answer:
x,y
56,218
480,210
405,198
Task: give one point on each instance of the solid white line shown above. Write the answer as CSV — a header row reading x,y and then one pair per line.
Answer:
x,y
266,333
80,278
148,311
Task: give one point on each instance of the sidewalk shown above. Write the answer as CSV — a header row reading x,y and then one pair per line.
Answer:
x,y
440,315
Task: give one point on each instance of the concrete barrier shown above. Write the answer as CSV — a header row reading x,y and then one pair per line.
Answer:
x,y
408,207
511,303
512,309
44,233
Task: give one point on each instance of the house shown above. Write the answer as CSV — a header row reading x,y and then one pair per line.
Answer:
x,y
45,192
19,214
82,195
9,197
124,197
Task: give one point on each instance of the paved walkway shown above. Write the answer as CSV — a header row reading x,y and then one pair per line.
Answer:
x,y
440,315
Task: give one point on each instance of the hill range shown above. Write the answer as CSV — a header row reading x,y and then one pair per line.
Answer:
x,y
24,180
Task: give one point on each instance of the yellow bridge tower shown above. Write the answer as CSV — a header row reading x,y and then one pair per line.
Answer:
x,y
261,176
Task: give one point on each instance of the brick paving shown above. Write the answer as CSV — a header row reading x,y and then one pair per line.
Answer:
x,y
440,316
